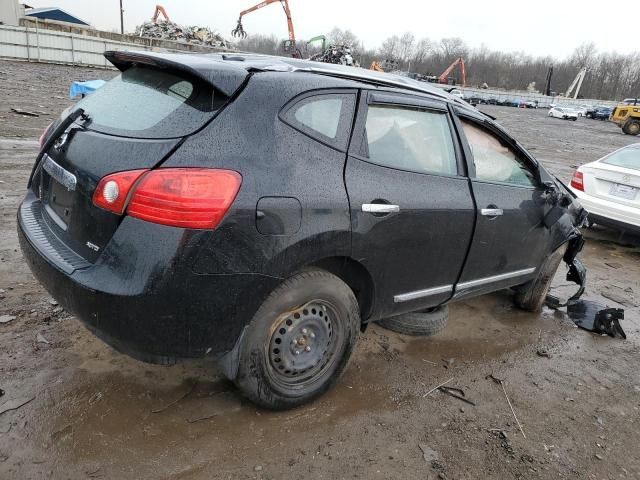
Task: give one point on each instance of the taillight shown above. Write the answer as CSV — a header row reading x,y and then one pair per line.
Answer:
x,y
43,136
185,197
577,181
113,190
178,197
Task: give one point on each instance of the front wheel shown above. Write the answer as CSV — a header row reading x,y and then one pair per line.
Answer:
x,y
632,127
299,341
532,295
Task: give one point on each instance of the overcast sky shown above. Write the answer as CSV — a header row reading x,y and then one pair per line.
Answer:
x,y
540,27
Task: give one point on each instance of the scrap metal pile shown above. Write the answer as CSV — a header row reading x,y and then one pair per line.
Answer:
x,y
338,54
189,34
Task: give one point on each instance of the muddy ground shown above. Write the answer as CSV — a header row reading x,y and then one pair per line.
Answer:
x,y
93,413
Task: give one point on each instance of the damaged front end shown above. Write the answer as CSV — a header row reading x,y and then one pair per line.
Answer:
x,y
564,219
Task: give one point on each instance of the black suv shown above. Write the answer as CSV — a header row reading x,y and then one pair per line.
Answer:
x,y
262,211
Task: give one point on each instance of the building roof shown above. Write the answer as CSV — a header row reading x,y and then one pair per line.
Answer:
x,y
54,13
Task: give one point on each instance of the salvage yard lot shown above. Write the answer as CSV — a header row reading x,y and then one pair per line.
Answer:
x,y
92,413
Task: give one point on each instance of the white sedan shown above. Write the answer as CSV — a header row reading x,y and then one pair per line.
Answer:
x,y
564,113
609,189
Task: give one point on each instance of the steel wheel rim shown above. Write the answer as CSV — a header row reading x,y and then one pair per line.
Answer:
x,y
313,332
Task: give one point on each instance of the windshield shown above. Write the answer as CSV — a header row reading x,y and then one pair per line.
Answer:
x,y
144,102
627,158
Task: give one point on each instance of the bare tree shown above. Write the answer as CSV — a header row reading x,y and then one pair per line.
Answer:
x,y
406,48
610,76
390,48
453,48
343,37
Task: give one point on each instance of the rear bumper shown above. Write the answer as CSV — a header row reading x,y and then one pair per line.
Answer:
x,y
604,212
140,299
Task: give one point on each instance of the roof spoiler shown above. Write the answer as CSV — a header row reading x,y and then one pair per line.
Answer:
x,y
225,77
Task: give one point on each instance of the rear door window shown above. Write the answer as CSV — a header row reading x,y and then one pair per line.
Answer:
x,y
410,139
494,160
144,102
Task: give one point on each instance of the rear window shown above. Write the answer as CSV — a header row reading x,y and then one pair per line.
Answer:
x,y
627,158
144,102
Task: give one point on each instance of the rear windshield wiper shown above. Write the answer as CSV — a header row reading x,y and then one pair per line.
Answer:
x,y
59,130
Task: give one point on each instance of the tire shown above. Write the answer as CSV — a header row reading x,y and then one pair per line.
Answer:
x,y
531,296
631,127
574,119
313,308
418,323
550,114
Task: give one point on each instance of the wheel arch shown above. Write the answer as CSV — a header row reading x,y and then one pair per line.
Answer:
x,y
355,275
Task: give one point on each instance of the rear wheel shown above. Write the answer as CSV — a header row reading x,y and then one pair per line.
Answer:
x,y
299,341
531,296
631,127
418,323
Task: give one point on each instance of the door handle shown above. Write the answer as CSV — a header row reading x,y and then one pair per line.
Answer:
x,y
491,212
380,208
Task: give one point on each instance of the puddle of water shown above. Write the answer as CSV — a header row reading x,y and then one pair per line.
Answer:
x,y
485,327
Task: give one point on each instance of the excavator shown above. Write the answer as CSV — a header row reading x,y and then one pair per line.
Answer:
x,y
385,65
319,38
289,46
160,10
444,77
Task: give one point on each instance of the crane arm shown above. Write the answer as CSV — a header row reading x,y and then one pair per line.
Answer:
x,y
458,61
159,10
576,81
319,38
257,7
287,12
239,31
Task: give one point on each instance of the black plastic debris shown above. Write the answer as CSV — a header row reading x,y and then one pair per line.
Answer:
x,y
586,314
597,318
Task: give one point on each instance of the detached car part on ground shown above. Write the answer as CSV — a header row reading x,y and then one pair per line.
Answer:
x,y
262,211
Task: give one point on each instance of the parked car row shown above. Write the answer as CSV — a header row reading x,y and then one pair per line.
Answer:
x,y
504,102
599,112
564,113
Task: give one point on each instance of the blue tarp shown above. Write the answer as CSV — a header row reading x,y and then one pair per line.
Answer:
x,y
84,88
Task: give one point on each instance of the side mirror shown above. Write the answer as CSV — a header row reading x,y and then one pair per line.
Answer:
x,y
551,192
550,186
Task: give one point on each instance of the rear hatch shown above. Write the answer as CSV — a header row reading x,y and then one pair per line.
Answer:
x,y
616,177
135,121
